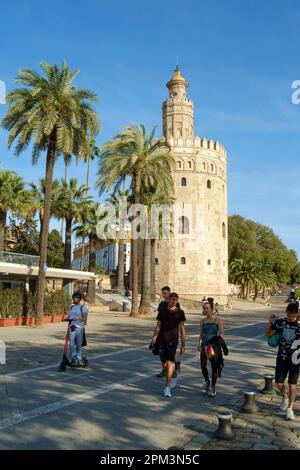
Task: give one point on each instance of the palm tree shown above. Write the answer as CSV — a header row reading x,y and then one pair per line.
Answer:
x,y
135,154
89,227
114,200
14,198
251,274
38,194
82,233
92,153
90,156
67,161
59,119
71,201
160,193
266,278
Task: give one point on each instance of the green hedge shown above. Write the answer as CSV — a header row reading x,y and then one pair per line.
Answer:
x,y
11,303
56,302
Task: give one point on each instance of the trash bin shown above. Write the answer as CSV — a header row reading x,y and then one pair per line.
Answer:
x,y
125,305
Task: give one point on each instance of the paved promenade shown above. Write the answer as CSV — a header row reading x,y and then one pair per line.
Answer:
x,y
117,403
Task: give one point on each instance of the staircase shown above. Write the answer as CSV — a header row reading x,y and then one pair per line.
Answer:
x,y
114,300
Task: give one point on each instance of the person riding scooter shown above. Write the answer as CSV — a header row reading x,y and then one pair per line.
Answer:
x,y
77,318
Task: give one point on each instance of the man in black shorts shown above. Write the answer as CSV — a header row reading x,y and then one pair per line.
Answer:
x,y
289,335
165,292
170,322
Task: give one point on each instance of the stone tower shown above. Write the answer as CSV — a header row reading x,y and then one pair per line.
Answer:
x,y
194,262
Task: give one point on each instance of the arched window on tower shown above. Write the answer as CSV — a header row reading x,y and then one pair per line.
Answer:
x,y
179,164
183,181
204,166
211,167
190,165
183,225
209,184
183,260
223,230
156,260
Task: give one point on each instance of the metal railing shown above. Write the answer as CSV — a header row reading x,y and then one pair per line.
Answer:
x,y
19,258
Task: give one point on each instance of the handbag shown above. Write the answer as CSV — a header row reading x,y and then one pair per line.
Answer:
x,y
273,340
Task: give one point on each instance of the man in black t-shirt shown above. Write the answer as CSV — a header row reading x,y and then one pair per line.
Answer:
x,y
170,323
287,363
163,304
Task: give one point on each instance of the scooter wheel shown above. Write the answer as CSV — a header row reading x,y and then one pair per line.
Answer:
x,y
62,368
85,363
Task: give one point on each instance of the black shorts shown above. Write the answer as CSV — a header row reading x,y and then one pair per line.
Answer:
x,y
286,368
167,352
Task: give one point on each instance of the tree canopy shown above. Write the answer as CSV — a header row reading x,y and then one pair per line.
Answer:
x,y
251,241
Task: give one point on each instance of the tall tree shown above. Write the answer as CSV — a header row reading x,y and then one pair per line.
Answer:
x,y
159,194
89,227
59,119
14,198
114,199
133,153
67,161
38,194
71,200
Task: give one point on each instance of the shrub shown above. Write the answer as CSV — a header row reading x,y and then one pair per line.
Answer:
x,y
11,302
56,302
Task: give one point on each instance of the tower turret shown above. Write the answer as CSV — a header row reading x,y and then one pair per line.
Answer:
x,y
178,110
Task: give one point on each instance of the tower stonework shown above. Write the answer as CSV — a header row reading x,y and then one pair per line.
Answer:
x,y
194,262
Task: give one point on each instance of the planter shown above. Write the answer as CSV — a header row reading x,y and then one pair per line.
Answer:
x,y
47,319
57,318
18,321
7,322
28,321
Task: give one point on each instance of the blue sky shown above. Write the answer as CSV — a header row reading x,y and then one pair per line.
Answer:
x,y
240,57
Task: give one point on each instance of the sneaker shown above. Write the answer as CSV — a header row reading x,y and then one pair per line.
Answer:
x,y
205,388
212,392
289,414
174,381
167,392
161,374
284,403
177,365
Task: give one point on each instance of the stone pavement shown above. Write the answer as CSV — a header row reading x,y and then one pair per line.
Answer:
x,y
118,398
265,430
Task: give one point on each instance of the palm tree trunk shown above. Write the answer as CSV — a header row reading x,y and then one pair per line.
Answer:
x,y
256,292
145,305
153,287
68,244
82,254
91,290
88,164
134,250
45,229
121,258
2,229
83,238
62,220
